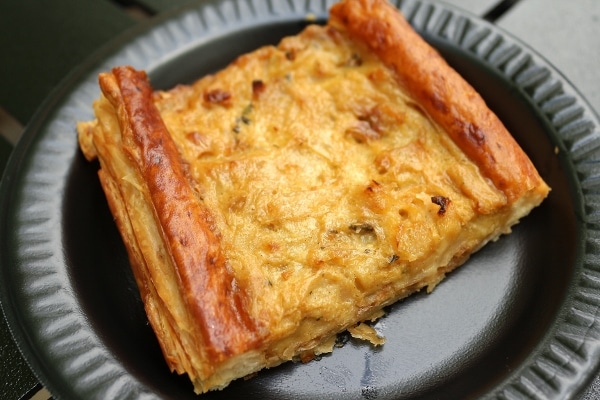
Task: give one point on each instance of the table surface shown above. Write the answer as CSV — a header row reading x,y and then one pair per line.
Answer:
x,y
40,42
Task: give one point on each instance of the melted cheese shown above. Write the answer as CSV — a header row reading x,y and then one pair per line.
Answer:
x,y
297,192
323,173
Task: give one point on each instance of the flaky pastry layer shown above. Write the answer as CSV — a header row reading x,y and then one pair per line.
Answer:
x,y
295,193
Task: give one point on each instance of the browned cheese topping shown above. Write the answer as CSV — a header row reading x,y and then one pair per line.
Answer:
x,y
300,190
328,179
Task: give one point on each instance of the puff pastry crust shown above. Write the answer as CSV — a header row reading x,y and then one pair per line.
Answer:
x,y
300,190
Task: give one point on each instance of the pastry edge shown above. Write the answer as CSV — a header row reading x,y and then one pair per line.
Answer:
x,y
443,94
488,145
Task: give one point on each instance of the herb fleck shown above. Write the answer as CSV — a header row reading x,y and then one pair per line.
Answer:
x,y
359,227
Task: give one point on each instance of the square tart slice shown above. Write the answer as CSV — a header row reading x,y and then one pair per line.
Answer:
x,y
298,191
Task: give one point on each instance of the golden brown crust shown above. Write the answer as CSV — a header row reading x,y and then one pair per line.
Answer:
x,y
441,91
213,297
298,191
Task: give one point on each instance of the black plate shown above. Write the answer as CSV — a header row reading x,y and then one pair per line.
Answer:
x,y
519,320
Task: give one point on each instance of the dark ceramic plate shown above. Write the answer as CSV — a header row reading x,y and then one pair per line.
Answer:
x,y
519,320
